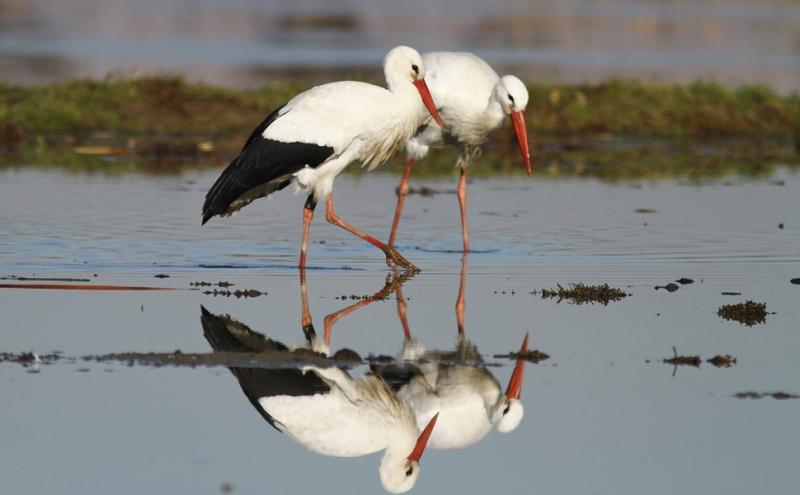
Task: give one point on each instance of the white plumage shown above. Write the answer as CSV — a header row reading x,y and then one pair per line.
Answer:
x,y
473,101
315,135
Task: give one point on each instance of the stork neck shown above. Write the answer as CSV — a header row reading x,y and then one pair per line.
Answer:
x,y
494,113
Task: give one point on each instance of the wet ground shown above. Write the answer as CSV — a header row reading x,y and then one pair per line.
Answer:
x,y
603,414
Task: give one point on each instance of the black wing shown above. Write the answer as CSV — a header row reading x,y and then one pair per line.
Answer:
x,y
225,334
262,167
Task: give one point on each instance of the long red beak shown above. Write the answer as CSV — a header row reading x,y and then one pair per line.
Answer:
x,y
514,389
422,441
518,118
427,99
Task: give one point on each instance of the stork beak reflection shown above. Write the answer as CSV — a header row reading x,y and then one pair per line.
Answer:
x,y
308,394
514,389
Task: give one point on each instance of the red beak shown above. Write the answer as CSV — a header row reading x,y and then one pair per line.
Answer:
x,y
514,389
518,118
427,99
422,441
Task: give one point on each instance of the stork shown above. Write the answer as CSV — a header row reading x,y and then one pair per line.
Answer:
x,y
326,410
473,101
455,385
309,140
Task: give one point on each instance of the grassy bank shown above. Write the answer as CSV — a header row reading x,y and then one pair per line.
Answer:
x,y
170,105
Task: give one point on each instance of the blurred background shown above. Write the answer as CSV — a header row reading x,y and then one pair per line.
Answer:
x,y
243,43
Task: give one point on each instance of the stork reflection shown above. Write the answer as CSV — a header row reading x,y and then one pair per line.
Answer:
x,y
455,385
324,408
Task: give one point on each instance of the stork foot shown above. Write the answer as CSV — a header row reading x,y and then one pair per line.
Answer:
x,y
393,256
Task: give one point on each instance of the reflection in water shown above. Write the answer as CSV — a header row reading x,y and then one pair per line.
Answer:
x,y
456,384
324,408
394,408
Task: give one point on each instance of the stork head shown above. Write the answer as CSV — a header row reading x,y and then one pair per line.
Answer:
x,y
512,95
399,473
402,65
509,411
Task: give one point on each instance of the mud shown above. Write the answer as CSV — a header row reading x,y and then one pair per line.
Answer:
x,y
677,360
722,361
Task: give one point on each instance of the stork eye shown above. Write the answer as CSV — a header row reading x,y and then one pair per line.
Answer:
x,y
410,471
511,98
505,411
415,68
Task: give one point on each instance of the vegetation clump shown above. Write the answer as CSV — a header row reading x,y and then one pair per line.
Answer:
x,y
580,293
747,313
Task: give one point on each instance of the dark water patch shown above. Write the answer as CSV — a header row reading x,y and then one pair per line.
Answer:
x,y
581,294
670,287
762,395
222,283
427,191
747,313
644,210
452,251
44,279
730,293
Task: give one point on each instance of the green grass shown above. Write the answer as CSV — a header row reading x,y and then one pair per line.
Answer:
x,y
616,107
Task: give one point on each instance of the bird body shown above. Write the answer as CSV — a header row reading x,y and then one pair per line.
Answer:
x,y
323,408
473,101
460,389
315,135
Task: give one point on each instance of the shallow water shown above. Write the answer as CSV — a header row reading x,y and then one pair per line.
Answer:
x,y
244,42
598,418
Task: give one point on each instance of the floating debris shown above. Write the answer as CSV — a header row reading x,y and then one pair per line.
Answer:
x,y
644,210
532,355
221,283
238,293
761,395
677,360
747,313
722,360
161,275
731,293
580,293
44,279
670,287
685,281
795,281
28,358
426,191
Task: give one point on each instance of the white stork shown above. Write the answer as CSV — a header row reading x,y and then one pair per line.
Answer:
x,y
309,140
473,101
323,408
455,385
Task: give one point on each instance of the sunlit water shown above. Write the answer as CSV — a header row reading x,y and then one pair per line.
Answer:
x,y
599,418
245,42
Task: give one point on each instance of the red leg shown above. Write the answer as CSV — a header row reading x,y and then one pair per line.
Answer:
x,y
308,215
402,311
390,252
461,192
402,191
460,301
331,319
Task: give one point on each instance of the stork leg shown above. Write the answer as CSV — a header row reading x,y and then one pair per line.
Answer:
x,y
460,301
402,311
402,191
389,251
461,192
308,215
392,283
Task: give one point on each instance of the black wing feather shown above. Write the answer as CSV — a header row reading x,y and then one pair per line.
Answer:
x,y
225,334
262,167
